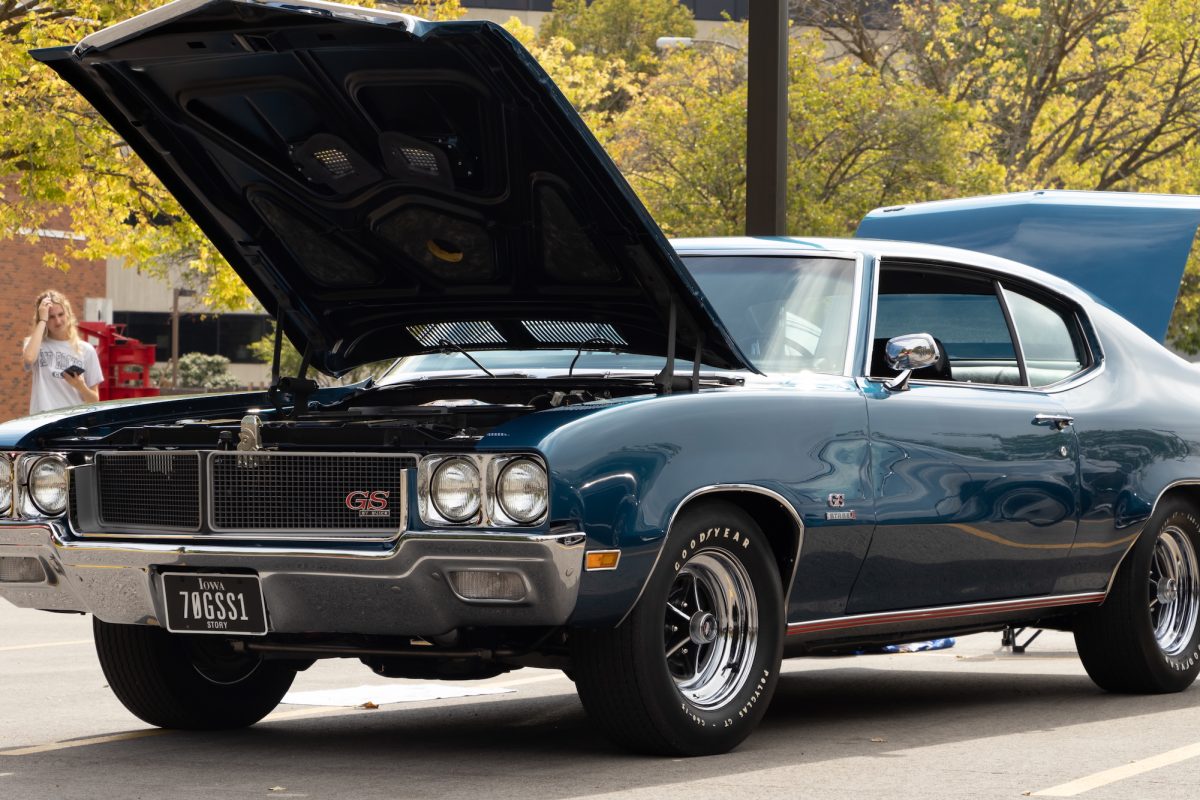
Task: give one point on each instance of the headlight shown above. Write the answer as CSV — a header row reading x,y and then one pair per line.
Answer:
x,y
521,490
455,489
6,484
48,485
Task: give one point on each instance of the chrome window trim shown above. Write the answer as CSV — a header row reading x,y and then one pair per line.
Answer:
x,y
1090,339
855,311
858,258
1079,379
725,488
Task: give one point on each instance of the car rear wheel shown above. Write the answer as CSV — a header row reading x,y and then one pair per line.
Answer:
x,y
692,669
175,681
1145,638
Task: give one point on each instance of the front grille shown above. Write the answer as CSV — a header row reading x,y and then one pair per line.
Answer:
x,y
307,492
150,490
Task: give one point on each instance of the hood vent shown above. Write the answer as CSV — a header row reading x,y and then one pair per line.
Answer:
x,y
328,161
407,158
557,332
457,333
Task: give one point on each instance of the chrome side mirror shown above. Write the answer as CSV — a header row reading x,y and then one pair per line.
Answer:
x,y
908,352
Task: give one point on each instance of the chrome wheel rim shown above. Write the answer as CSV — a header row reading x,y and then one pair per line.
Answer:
x,y
1173,598
711,628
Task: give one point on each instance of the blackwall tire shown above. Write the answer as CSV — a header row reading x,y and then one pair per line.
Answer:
x,y
692,669
162,680
1145,638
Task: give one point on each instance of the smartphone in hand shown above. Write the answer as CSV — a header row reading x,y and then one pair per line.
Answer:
x,y
73,370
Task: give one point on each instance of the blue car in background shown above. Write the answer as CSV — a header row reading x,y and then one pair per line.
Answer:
x,y
661,467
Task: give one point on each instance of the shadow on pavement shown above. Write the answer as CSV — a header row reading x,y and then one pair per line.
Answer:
x,y
544,747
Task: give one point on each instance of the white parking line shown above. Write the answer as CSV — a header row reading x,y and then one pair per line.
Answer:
x,y
112,737
557,676
12,647
1088,782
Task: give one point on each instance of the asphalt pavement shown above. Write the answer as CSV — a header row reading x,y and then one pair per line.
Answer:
x,y
972,721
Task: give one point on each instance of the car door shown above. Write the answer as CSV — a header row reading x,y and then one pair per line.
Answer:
x,y
974,470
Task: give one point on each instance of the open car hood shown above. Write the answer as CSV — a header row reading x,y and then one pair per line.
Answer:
x,y
1128,250
386,184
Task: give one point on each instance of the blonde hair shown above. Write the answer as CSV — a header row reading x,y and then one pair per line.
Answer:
x,y
58,298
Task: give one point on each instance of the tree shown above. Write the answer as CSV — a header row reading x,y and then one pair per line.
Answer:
x,y
1088,94
69,169
855,142
618,29
431,9
597,88
1073,94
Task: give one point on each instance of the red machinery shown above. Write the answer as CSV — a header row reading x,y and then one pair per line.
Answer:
x,y
125,362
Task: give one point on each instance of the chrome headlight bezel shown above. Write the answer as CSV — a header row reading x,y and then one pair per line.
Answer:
x,y
8,474
504,510
56,472
470,482
490,511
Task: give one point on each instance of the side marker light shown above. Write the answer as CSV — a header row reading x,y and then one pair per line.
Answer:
x,y
596,560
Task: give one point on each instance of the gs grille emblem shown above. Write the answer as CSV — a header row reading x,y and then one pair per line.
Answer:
x,y
368,504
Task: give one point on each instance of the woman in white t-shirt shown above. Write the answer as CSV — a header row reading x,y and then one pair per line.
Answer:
x,y
65,368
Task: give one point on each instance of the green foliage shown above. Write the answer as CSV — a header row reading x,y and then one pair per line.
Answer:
x,y
203,371
434,9
73,171
618,29
856,141
959,97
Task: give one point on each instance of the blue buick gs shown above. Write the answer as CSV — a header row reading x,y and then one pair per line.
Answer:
x,y
661,467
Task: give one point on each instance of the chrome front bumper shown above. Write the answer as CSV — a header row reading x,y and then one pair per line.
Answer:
x,y
403,591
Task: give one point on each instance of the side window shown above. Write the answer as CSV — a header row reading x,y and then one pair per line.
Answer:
x,y
963,313
1049,338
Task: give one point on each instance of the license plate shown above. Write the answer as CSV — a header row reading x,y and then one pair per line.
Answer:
x,y
214,603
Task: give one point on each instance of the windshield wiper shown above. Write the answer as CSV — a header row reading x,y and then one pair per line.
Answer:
x,y
446,347
612,348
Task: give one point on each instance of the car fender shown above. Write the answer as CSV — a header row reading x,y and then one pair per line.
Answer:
x,y
623,472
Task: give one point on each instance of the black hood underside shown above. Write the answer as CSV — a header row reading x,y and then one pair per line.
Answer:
x,y
388,185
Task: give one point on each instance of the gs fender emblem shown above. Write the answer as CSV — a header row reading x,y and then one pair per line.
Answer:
x,y
837,500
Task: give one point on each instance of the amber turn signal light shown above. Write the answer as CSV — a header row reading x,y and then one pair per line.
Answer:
x,y
602,559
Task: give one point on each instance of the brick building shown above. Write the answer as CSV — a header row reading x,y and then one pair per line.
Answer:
x,y
24,276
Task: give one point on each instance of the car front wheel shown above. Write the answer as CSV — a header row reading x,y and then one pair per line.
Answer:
x,y
175,681
692,669
1145,638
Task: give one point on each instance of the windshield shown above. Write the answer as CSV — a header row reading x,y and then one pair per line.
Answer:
x,y
786,313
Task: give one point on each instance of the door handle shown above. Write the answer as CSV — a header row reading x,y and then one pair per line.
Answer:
x,y
1057,421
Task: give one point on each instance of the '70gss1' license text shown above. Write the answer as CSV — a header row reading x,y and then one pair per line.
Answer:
x,y
202,603
659,466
